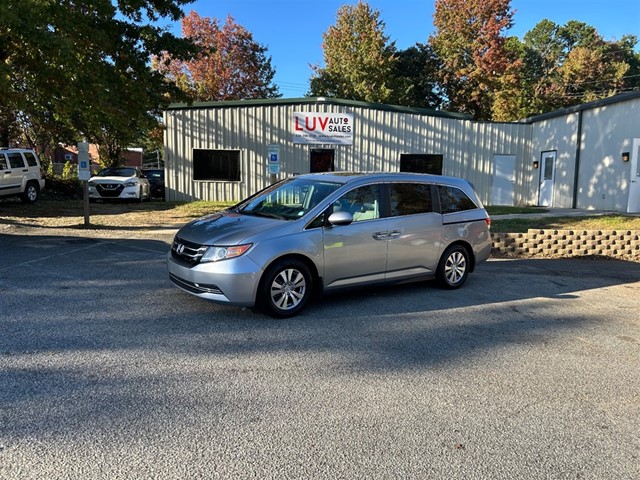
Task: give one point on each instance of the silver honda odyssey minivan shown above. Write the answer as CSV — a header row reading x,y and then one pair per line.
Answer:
x,y
328,231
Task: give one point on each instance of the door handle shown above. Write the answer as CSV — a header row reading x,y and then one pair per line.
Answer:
x,y
394,234
380,235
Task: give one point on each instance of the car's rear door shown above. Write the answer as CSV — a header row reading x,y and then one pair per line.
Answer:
x,y
4,177
13,173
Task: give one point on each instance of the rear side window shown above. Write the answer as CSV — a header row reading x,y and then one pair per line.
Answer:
x,y
31,159
3,162
15,160
452,200
410,199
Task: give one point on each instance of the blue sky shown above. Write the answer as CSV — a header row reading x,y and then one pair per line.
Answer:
x,y
292,29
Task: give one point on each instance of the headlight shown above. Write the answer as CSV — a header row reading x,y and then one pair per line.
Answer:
x,y
130,184
215,254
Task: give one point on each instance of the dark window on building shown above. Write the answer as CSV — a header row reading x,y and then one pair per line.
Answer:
x,y
453,199
410,199
321,160
216,165
421,163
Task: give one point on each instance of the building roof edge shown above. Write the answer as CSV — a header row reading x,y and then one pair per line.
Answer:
x,y
319,101
621,97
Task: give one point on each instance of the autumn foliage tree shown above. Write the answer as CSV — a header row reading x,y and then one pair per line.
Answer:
x,y
470,43
73,70
231,65
358,57
564,65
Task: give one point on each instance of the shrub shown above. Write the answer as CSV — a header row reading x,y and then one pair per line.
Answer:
x,y
62,187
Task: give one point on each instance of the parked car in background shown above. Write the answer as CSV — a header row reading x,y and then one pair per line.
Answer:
x,y
119,183
330,231
156,181
20,174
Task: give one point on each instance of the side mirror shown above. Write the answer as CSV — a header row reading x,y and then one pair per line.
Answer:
x,y
340,218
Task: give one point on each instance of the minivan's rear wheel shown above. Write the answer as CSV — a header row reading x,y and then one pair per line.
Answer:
x,y
285,288
453,267
31,193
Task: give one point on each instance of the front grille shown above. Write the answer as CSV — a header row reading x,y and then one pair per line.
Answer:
x,y
195,287
187,251
109,190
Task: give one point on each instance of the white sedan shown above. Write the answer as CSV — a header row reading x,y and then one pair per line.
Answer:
x,y
119,183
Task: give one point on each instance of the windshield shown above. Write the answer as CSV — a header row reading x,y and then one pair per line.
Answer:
x,y
117,172
288,200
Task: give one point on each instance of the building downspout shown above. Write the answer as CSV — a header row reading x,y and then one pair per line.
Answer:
x,y
574,203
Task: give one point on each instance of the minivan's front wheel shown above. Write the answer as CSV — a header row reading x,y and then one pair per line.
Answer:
x,y
453,267
31,193
285,288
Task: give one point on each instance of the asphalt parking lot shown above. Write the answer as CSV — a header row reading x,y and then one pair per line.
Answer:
x,y
531,371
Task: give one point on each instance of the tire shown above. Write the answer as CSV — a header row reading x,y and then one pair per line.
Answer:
x,y
453,268
285,289
31,193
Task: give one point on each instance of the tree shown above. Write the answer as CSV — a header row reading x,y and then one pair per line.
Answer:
x,y
358,58
508,100
230,65
74,69
624,49
470,42
564,65
414,78
589,74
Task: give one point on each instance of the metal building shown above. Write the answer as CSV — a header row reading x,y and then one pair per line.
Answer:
x,y
587,156
225,151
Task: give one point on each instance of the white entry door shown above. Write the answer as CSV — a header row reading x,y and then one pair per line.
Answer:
x,y
504,180
634,183
547,178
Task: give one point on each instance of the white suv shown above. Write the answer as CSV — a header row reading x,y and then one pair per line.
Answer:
x,y
20,174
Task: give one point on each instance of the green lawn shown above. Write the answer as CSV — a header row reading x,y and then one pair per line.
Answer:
x,y
602,222
499,210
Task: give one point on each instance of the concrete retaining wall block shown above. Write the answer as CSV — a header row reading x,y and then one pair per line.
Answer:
x,y
568,243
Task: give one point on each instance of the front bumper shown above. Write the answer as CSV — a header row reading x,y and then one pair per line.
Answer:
x,y
229,282
116,192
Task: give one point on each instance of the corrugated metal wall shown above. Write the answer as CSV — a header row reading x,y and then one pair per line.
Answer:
x,y
380,137
604,179
557,134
